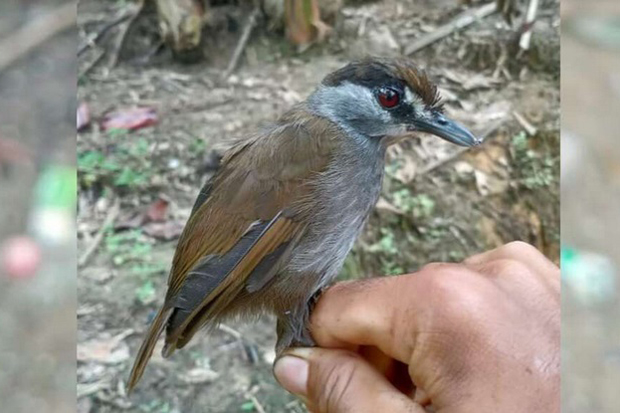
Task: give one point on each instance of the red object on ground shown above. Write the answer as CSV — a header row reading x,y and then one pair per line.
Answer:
x,y
20,257
129,119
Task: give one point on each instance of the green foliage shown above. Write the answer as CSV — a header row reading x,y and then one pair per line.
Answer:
x,y
386,244
132,250
127,165
533,170
128,246
247,406
420,206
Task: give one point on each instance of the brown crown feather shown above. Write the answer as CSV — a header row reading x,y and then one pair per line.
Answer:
x,y
376,71
419,82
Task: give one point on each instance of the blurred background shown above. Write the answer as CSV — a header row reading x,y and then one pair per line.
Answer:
x,y
163,84
590,205
37,206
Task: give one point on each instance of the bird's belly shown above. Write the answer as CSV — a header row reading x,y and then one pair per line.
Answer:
x,y
333,230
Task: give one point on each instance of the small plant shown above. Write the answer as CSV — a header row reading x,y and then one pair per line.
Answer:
x,y
533,170
132,251
420,206
126,165
128,246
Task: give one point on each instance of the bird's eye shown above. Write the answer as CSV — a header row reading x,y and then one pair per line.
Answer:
x,y
389,98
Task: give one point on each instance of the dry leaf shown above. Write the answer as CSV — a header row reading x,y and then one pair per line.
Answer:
x,y
165,231
489,184
158,210
130,119
83,116
199,375
111,350
385,205
463,168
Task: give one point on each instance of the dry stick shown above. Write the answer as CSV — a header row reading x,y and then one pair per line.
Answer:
x,y
460,22
526,37
98,58
243,40
458,152
106,28
33,34
259,407
109,220
525,124
120,42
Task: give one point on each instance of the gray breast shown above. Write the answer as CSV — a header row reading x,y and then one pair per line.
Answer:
x,y
349,189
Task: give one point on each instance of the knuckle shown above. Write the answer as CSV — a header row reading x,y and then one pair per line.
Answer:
x,y
507,266
518,248
444,280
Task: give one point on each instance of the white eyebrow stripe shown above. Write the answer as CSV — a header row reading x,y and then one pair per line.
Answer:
x,y
415,101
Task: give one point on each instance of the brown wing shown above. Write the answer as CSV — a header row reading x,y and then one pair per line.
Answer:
x,y
244,223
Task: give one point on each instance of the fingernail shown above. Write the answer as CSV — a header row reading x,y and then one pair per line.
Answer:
x,y
292,373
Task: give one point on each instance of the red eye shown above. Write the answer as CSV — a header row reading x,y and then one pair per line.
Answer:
x,y
389,98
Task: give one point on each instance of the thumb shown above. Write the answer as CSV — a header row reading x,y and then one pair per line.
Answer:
x,y
339,381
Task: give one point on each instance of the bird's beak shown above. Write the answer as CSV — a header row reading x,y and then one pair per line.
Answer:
x,y
447,129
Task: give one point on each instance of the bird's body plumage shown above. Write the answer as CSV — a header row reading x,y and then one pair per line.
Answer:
x,y
296,215
276,221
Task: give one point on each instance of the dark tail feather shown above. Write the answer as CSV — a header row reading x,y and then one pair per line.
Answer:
x,y
146,350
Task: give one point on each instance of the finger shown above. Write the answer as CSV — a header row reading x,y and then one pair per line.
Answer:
x,y
523,253
360,312
391,312
339,381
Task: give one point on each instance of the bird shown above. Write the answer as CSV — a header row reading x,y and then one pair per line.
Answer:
x,y
272,227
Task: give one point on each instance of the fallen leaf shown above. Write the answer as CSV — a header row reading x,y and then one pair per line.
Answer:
x,y
165,231
463,168
385,205
199,375
489,184
111,350
130,119
83,116
157,210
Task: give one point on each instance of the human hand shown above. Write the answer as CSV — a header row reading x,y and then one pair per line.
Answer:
x,y
479,336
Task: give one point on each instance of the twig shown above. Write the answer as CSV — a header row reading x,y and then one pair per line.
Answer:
x,y
120,42
526,37
460,22
243,40
259,407
440,162
106,28
229,330
525,124
35,33
109,220
92,64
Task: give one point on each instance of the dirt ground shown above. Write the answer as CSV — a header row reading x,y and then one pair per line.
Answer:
x,y
590,204
37,106
438,203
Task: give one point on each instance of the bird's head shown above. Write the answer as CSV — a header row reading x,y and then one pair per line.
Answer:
x,y
386,98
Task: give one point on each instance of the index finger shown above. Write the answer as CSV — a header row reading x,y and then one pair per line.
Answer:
x,y
389,312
